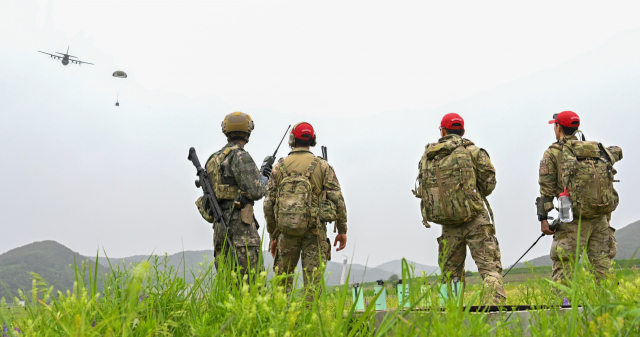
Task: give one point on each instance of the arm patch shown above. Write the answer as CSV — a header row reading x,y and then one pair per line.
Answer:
x,y
544,169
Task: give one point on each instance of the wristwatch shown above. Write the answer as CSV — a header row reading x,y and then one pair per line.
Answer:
x,y
542,217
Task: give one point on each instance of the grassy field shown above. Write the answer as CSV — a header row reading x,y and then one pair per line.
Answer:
x,y
151,299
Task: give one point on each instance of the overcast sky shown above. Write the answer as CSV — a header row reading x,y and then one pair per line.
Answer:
x,y
373,77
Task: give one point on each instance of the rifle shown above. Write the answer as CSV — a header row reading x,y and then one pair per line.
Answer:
x,y
324,152
209,200
267,164
554,226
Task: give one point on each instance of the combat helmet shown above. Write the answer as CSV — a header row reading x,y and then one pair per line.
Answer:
x,y
237,124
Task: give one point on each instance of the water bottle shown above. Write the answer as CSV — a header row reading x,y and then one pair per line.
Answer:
x,y
564,208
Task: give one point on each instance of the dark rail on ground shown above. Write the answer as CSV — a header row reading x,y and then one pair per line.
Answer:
x,y
502,308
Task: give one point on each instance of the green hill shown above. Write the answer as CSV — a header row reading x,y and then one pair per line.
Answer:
x,y
628,238
48,259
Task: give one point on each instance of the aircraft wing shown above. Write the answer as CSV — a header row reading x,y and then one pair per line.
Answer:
x,y
56,56
78,62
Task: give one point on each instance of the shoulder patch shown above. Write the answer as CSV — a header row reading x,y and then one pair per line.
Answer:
x,y
544,169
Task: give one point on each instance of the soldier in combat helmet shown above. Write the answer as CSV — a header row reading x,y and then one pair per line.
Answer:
x,y
303,194
237,184
455,177
582,171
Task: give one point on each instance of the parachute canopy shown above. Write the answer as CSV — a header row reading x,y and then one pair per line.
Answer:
x,y
119,74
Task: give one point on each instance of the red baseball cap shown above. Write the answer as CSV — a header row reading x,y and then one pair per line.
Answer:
x,y
449,119
303,131
566,118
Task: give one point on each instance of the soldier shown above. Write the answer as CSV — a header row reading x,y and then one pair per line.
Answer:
x,y
455,178
237,184
303,194
584,171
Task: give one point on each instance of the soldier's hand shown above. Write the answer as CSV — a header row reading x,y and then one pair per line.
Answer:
x,y
267,166
544,227
342,238
272,248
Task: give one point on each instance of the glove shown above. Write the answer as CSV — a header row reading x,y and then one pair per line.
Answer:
x,y
267,166
542,214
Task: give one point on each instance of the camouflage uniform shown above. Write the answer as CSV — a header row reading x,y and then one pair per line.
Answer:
x,y
313,245
238,171
477,232
596,235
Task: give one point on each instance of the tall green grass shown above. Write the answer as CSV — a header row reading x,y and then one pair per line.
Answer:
x,y
151,299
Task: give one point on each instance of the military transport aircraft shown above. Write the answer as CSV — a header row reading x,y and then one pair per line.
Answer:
x,y
66,58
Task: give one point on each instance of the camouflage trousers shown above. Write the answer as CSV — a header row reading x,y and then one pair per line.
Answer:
x,y
595,235
248,259
314,249
480,235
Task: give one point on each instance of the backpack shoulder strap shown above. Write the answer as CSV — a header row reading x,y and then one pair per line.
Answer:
x,y
314,163
312,167
229,149
284,166
556,145
466,142
221,155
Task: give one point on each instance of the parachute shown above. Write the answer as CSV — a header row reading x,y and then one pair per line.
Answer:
x,y
118,75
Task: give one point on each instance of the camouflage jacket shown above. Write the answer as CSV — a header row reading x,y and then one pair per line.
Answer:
x,y
237,169
550,188
323,178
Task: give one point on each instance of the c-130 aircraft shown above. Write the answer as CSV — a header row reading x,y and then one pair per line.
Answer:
x,y
65,58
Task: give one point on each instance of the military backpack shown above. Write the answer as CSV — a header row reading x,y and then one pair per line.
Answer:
x,y
585,169
294,209
447,178
222,191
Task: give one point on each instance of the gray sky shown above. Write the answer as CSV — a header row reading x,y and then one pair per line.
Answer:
x,y
374,79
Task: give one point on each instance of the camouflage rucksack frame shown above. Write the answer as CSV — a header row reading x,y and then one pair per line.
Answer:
x,y
585,169
448,184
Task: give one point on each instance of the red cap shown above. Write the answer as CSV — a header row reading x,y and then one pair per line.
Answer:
x,y
303,131
566,118
449,119
564,194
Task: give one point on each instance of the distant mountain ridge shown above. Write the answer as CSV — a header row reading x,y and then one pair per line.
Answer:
x,y
49,259
357,273
628,239
395,267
